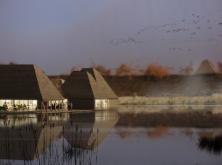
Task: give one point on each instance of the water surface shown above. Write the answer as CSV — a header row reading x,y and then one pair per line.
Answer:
x,y
111,137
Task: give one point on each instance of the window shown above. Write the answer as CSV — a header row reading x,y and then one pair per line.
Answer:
x,y
101,103
19,104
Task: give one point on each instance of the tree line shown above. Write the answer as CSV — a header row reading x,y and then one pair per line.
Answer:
x,y
155,70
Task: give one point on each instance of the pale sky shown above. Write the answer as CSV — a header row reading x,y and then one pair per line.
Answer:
x,y
58,34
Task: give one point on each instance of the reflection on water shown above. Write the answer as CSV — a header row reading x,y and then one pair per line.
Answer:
x,y
108,137
88,130
53,139
213,144
85,132
157,132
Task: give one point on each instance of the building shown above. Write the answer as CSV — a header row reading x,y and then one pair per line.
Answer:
x,y
87,89
206,67
58,81
26,87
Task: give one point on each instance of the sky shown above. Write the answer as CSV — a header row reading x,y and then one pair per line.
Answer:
x,y
59,34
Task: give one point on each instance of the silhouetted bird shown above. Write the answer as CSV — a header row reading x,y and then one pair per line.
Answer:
x,y
179,30
196,21
124,41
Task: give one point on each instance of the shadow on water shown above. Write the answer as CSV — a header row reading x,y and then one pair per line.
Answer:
x,y
212,144
53,139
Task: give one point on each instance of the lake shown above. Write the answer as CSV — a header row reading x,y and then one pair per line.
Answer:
x,y
112,137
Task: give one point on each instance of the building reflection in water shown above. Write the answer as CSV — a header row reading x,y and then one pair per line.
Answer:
x,y
85,132
88,130
53,138
24,137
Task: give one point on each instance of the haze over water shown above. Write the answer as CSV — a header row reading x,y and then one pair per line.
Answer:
x,y
111,137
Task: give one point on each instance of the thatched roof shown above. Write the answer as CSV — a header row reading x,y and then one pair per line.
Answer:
x,y
26,82
87,84
206,67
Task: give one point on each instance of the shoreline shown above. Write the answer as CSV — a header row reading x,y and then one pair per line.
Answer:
x,y
172,100
44,112
134,108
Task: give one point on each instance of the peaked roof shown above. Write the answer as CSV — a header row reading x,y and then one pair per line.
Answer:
x,y
26,82
206,67
87,84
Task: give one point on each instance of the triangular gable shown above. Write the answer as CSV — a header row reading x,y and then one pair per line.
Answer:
x,y
47,89
26,82
77,86
100,87
206,67
87,84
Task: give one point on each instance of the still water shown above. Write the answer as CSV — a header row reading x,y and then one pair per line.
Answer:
x,y
111,137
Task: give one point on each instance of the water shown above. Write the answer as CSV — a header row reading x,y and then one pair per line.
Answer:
x,y
111,137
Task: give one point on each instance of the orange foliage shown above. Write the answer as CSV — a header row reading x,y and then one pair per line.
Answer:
x,y
124,70
104,71
157,70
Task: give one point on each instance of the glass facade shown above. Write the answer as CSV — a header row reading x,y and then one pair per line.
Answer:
x,y
31,105
19,104
57,104
101,103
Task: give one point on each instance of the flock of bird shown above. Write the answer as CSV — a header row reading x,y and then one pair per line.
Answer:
x,y
190,27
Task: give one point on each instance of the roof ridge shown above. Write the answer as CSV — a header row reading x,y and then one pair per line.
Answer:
x,y
90,83
206,67
39,72
36,81
91,71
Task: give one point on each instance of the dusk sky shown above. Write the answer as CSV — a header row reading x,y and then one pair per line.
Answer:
x,y
58,34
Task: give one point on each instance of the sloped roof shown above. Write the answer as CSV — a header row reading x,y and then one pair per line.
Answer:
x,y
206,67
26,82
87,84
